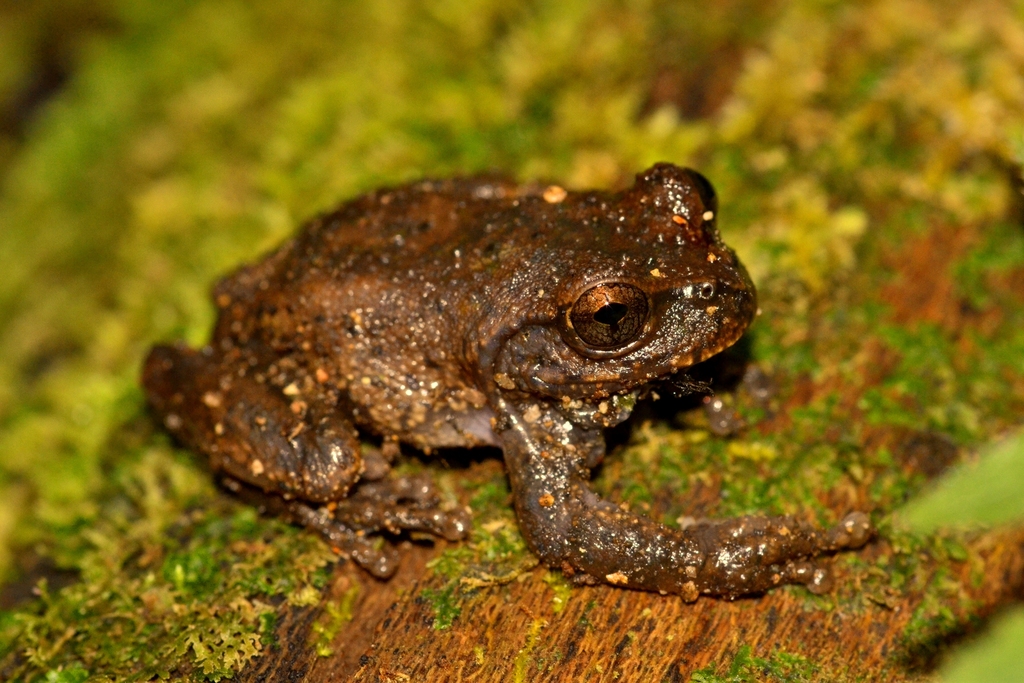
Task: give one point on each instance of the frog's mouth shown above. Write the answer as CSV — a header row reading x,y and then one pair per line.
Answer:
x,y
622,376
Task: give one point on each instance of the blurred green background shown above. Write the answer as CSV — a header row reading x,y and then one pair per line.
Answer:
x,y
146,148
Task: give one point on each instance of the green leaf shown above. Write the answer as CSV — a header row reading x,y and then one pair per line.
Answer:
x,y
996,657
989,491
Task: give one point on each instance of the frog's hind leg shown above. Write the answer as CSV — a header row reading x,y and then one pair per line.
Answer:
x,y
251,430
292,453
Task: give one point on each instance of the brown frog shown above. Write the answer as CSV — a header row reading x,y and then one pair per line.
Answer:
x,y
473,312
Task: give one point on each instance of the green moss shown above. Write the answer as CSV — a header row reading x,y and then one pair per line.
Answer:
x,y
525,661
920,568
336,614
939,617
445,604
164,591
494,554
783,667
561,588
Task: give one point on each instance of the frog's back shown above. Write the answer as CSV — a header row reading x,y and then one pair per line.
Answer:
x,y
404,227
381,233
363,255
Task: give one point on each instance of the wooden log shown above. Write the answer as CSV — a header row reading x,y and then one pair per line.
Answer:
x,y
521,631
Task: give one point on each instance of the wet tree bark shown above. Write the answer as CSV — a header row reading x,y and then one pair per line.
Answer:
x,y
517,632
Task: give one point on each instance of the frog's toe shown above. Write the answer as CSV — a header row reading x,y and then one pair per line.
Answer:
x,y
854,531
381,562
417,490
817,580
374,556
376,515
454,525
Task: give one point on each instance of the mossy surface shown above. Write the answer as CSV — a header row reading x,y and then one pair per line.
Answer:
x,y
746,668
867,158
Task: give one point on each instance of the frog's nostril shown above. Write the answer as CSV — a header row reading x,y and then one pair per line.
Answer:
x,y
707,290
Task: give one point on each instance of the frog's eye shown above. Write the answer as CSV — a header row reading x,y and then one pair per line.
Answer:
x,y
610,315
707,193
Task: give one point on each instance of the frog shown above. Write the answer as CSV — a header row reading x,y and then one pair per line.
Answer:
x,y
481,312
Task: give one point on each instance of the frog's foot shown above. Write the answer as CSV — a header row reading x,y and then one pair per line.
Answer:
x,y
751,554
370,553
352,525
401,504
392,506
729,558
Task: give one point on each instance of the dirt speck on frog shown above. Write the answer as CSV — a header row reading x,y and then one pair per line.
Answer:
x,y
470,312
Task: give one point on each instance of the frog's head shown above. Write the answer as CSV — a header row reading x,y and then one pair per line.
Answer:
x,y
649,290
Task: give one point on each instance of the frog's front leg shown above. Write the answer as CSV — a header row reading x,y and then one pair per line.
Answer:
x,y
570,527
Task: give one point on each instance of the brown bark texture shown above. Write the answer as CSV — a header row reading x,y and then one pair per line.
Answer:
x,y
512,632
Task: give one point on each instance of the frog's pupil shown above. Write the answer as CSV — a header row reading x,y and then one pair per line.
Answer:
x,y
611,314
